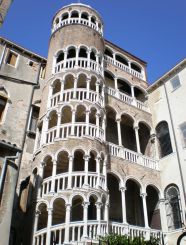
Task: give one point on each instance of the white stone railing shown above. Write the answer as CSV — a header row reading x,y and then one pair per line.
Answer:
x,y
77,181
80,21
134,231
40,237
78,130
131,156
127,99
123,67
81,94
81,63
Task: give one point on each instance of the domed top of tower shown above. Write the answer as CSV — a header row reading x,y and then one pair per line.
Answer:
x,y
77,13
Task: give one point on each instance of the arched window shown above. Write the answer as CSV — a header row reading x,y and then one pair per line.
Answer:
x,y
173,208
60,57
162,131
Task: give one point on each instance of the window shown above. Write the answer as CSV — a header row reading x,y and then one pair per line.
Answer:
x,y
183,134
34,115
175,82
173,208
162,131
12,58
3,102
42,72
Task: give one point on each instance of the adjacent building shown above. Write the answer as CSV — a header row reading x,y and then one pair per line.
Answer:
x,y
4,7
97,149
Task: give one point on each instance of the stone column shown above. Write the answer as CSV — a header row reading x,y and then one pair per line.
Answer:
x,y
133,96
136,128
123,189
97,63
116,87
87,122
85,219
70,167
77,57
36,221
73,122
44,130
98,205
103,95
62,89
97,124
118,120
86,158
65,58
49,96
143,196
104,128
88,88
41,171
88,58
67,224
54,170
97,91
107,216
75,88
49,224
58,125
98,171
105,173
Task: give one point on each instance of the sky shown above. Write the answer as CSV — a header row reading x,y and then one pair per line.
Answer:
x,y
153,30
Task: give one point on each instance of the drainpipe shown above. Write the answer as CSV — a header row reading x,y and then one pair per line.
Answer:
x,y
3,174
176,143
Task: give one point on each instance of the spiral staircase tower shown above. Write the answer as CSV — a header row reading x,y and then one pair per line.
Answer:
x,y
72,201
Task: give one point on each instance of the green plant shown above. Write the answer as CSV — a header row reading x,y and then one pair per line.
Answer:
x,y
114,239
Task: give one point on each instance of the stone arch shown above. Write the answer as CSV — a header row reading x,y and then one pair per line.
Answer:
x,y
82,80
92,115
140,93
92,161
85,15
122,59
109,79
66,114
74,14
83,49
144,132
134,205
53,117
92,210
136,66
115,211
65,16
56,86
59,211
109,52
81,113
62,162
43,216
124,86
48,166
79,161
111,125
71,51
77,208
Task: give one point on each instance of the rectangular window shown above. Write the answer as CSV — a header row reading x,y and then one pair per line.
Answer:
x,y
33,119
42,72
12,58
183,134
175,82
3,102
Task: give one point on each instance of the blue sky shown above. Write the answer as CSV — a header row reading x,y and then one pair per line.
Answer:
x,y
153,30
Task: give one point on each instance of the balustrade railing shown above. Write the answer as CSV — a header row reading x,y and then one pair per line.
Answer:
x,y
77,130
80,94
134,231
77,21
131,156
77,181
81,63
127,99
94,230
123,67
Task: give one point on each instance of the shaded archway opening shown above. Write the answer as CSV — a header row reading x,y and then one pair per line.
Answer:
x,y
74,14
60,57
83,53
77,209
127,133
115,211
79,162
124,87
135,67
173,207
121,60
92,116
43,216
82,82
66,116
59,212
93,83
139,95
93,55
71,53
65,16
92,162
84,16
111,126
56,87
109,80
92,210
165,146
80,113
93,19
52,119
108,52
144,139
153,210
48,166
69,82
134,205
62,162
